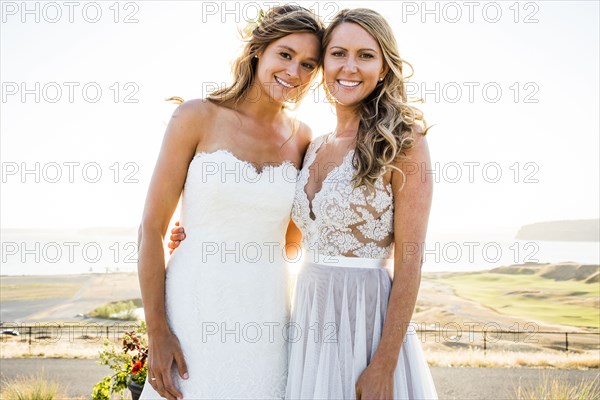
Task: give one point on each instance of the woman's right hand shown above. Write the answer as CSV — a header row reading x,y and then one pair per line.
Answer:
x,y
164,349
177,235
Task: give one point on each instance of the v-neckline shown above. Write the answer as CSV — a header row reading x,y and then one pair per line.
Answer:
x,y
317,192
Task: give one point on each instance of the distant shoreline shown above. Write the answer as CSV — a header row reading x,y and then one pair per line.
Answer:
x,y
583,230
50,252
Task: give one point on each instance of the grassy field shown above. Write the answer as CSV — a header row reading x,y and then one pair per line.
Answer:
x,y
45,298
568,302
38,291
553,297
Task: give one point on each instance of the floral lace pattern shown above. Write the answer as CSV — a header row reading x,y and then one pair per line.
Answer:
x,y
342,220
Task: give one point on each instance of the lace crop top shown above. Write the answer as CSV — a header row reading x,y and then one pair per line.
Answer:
x,y
344,221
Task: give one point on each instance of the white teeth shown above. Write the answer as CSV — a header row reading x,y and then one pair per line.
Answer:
x,y
348,83
283,83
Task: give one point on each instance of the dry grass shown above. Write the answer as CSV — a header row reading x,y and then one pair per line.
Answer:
x,y
62,349
557,388
38,291
33,387
510,359
471,357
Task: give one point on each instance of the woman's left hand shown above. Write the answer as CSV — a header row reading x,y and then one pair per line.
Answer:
x,y
177,235
375,383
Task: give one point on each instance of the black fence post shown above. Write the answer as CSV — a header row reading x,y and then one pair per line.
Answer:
x,y
484,343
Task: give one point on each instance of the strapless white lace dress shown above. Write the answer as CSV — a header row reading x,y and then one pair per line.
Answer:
x,y
342,290
227,285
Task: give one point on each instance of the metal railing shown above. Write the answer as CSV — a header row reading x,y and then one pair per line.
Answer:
x,y
49,333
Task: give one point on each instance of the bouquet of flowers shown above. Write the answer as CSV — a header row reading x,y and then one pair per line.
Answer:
x,y
129,364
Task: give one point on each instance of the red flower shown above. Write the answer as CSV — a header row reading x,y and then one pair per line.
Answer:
x,y
136,367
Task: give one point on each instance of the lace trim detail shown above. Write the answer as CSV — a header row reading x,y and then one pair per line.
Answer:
x,y
257,170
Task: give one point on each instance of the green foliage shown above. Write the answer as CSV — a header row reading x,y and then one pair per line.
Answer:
x,y
121,310
102,389
128,364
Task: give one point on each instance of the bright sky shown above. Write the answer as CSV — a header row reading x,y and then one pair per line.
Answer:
x,y
542,56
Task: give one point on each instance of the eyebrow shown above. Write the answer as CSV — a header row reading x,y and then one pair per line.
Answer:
x,y
294,51
364,49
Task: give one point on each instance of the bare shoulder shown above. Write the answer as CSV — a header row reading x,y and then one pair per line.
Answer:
x,y
419,151
414,161
191,119
417,129
420,143
416,155
195,110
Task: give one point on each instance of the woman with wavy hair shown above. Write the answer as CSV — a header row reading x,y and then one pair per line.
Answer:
x,y
362,207
363,211
234,157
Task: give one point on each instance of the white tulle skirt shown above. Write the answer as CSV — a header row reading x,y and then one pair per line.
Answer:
x,y
339,309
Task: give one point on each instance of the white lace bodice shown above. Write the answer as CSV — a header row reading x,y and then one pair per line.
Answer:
x,y
224,195
347,222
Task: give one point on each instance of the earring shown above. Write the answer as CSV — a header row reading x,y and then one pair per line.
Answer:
x,y
255,56
380,79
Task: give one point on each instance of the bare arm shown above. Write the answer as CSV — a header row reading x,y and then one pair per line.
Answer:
x,y
178,148
412,205
293,236
293,240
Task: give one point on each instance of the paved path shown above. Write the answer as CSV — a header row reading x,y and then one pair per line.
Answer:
x,y
451,383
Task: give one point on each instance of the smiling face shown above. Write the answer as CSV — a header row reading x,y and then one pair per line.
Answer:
x,y
287,66
353,64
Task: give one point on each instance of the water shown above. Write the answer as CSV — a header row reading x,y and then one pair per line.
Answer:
x,y
77,252
68,252
462,252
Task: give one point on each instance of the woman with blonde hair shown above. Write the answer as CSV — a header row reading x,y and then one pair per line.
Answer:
x,y
359,213
235,157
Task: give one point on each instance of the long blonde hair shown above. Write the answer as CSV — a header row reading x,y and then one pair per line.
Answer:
x,y
277,22
386,120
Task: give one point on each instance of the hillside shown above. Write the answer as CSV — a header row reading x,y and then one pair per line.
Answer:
x,y
585,230
563,294
559,272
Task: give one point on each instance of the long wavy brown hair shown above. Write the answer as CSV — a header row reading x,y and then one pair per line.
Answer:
x,y
277,22
387,121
